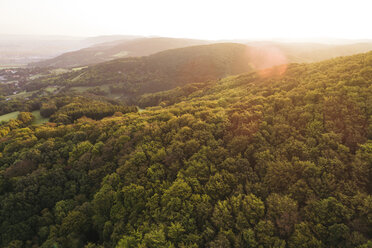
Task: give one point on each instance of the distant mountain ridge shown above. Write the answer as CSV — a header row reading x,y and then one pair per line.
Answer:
x,y
25,49
116,49
132,46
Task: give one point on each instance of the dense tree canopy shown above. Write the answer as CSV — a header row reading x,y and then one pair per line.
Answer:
x,y
268,159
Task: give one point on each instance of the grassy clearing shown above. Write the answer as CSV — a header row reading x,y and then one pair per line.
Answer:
x,y
140,110
51,89
22,94
59,71
79,68
38,118
9,116
121,54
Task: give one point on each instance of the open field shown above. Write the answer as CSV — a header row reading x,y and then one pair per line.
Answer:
x,y
51,89
79,68
22,94
59,71
38,118
9,116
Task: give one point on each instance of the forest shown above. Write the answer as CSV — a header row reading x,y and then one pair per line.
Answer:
x,y
165,70
274,158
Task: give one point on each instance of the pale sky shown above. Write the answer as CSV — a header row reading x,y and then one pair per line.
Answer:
x,y
204,19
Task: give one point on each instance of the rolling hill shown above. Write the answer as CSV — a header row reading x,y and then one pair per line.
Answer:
x,y
161,71
116,49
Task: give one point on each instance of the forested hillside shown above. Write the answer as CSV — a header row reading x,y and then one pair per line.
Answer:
x,y
275,158
161,71
131,78
114,50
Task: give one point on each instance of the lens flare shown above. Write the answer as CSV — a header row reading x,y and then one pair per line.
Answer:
x,y
268,60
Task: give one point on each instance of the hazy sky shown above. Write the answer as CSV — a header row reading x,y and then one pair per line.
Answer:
x,y
205,19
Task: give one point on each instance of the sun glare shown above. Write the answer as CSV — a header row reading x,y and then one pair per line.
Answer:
x,y
207,19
